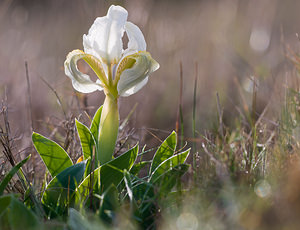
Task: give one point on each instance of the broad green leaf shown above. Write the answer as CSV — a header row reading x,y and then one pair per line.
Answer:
x,y
165,150
112,172
136,168
167,180
169,163
11,173
61,187
108,174
4,203
95,123
54,156
86,139
14,215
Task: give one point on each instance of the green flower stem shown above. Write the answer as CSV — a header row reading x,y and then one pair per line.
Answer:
x,y
108,129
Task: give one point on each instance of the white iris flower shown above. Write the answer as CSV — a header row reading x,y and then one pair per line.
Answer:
x,y
120,72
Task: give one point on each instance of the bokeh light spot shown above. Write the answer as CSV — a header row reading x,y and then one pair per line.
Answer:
x,y
259,40
187,221
262,189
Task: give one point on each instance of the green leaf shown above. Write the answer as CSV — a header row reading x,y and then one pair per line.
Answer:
x,y
109,204
76,221
136,168
95,123
4,203
14,215
108,174
169,164
59,191
86,139
165,150
11,173
54,156
128,184
167,180
146,199
112,172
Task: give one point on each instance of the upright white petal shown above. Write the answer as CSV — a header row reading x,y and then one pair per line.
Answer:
x,y
136,38
81,82
133,79
105,35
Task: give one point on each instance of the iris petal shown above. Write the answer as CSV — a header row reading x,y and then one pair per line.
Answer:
x,y
81,82
135,88
104,39
133,79
136,38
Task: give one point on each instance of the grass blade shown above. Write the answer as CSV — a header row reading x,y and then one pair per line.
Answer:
x,y
11,173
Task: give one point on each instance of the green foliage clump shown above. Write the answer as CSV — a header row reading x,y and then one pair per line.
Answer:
x,y
88,188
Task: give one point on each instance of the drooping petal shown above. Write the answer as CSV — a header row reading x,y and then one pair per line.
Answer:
x,y
135,88
104,39
136,38
81,82
133,79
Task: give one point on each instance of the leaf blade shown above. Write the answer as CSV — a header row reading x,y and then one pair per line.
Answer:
x,y
55,157
95,123
61,187
165,150
167,180
169,164
87,140
15,215
109,173
11,173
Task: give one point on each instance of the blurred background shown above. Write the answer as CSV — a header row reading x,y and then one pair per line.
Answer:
x,y
224,43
